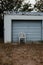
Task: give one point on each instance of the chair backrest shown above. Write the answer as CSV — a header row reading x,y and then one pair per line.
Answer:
x,y
22,34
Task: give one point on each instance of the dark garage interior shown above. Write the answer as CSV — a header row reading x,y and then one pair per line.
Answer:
x,y
1,30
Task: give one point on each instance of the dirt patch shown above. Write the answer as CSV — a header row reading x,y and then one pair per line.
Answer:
x,y
26,54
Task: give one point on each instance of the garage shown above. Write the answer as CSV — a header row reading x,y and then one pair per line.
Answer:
x,y
30,24
31,28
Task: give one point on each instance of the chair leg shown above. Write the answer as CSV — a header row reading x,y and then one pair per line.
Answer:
x,y
25,40
19,40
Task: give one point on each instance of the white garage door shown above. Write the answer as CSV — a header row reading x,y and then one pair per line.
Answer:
x,y
32,29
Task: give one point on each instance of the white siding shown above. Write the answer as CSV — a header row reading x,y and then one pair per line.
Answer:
x,y
7,29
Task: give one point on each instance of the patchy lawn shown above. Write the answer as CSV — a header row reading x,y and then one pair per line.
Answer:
x,y
27,54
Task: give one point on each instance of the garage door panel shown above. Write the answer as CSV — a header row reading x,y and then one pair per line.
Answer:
x,y
32,39
15,40
20,31
20,24
32,29
33,35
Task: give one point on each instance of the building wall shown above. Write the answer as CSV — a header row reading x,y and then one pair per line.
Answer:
x,y
9,18
7,29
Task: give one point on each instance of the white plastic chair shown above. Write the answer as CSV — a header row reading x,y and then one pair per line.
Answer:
x,y
22,35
